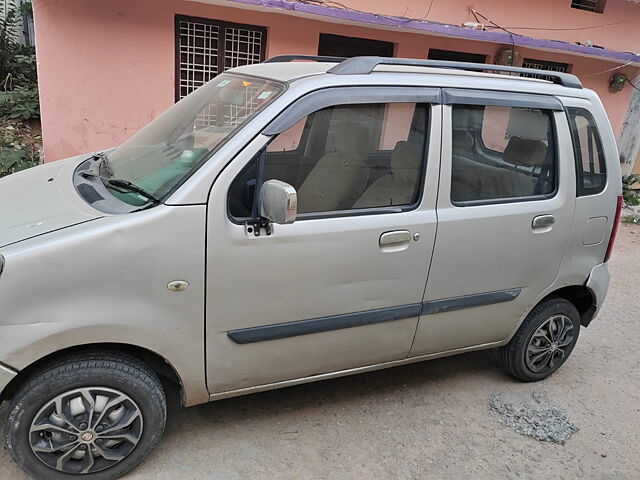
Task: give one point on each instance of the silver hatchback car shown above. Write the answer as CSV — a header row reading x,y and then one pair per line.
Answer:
x,y
297,221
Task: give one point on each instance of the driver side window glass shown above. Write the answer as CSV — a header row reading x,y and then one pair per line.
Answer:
x,y
343,158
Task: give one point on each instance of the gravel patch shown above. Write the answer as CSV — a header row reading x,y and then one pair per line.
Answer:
x,y
542,421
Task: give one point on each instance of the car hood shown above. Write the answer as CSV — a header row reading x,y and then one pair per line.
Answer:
x,y
40,200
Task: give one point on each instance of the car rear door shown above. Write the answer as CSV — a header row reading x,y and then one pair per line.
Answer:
x,y
341,287
505,213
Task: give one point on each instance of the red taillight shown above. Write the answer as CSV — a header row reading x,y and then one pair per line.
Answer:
x,y
614,229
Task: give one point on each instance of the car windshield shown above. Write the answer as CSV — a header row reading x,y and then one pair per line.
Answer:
x,y
162,154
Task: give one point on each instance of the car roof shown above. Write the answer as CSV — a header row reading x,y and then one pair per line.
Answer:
x,y
292,71
284,72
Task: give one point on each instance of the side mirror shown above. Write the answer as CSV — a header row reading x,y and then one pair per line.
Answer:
x,y
278,202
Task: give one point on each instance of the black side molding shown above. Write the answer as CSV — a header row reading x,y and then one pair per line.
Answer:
x,y
468,301
369,317
323,324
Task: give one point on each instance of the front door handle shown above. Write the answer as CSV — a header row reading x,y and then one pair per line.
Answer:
x,y
543,222
395,238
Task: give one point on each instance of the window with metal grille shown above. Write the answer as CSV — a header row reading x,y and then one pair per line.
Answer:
x,y
596,6
543,65
206,47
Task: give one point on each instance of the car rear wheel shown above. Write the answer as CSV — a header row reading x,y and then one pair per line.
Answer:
x,y
94,416
544,341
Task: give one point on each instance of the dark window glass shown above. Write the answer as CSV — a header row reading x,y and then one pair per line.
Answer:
x,y
451,55
591,170
596,6
342,158
501,153
339,46
243,190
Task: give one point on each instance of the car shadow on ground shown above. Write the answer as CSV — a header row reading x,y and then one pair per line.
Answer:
x,y
286,410
362,388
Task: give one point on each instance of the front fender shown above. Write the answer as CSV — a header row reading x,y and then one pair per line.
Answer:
x,y
106,282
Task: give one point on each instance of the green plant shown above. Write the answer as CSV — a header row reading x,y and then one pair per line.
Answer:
x,y
18,79
12,161
630,197
17,62
634,219
21,103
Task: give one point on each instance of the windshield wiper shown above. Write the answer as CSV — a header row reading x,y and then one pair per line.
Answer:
x,y
126,185
131,187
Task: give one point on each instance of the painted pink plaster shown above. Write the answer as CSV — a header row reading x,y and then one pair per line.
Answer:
x,y
106,68
550,19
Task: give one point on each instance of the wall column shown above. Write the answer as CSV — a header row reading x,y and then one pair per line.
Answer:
x,y
629,142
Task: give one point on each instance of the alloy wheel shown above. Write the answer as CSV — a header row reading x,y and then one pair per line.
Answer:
x,y
86,430
550,343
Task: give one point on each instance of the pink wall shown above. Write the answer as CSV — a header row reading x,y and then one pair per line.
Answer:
x,y
107,67
555,15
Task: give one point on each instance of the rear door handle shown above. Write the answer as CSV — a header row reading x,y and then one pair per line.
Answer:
x,y
543,221
395,238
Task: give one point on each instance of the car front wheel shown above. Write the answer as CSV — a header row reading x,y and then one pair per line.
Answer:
x,y
93,415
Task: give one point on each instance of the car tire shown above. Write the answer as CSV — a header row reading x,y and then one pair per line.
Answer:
x,y
543,342
113,402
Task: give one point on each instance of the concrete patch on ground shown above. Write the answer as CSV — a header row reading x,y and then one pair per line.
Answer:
x,y
540,420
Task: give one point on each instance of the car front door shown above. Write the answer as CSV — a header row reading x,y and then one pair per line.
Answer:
x,y
505,213
341,286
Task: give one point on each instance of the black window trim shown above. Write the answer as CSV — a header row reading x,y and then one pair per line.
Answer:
x,y
581,191
351,95
354,212
529,198
495,98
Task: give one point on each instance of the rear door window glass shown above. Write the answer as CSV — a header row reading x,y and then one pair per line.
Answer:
x,y
501,154
591,170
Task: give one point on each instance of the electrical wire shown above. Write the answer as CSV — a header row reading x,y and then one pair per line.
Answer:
x,y
475,14
609,70
428,10
573,29
632,85
342,6
424,17
495,25
506,29
630,81
336,4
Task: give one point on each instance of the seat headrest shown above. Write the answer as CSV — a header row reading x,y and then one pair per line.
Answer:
x,y
461,140
351,138
525,153
406,158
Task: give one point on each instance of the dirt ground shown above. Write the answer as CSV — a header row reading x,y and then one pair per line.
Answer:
x,y
430,420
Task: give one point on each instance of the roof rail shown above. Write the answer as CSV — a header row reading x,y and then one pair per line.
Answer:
x,y
313,58
365,65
